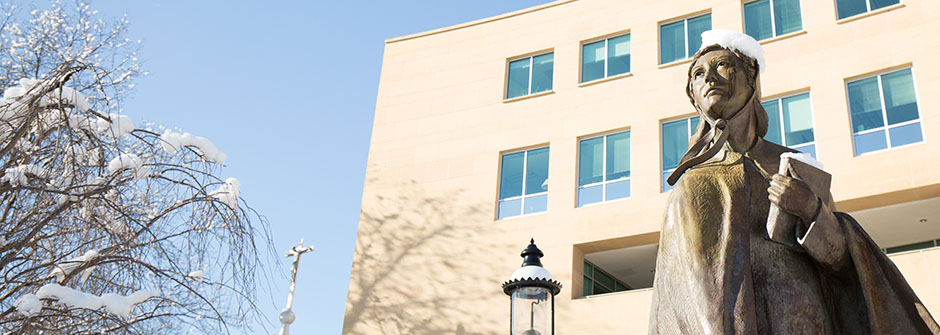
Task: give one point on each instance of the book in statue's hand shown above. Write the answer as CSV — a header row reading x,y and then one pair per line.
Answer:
x,y
784,227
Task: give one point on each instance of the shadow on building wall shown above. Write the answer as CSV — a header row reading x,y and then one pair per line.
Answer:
x,y
423,264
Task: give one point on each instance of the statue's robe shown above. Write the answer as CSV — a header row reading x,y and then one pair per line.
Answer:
x,y
717,272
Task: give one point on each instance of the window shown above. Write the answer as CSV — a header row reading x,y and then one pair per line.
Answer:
x,y
764,19
883,111
675,143
604,168
790,123
523,183
597,281
530,75
908,247
681,39
605,58
846,8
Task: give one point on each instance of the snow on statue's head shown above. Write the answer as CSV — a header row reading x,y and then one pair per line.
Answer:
x,y
751,57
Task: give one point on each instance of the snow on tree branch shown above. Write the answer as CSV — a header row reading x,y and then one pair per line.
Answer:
x,y
106,227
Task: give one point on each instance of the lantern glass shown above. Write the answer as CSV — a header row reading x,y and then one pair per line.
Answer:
x,y
531,312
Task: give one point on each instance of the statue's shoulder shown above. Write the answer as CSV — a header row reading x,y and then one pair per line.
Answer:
x,y
769,152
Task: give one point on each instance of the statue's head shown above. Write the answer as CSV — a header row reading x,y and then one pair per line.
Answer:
x,y
724,77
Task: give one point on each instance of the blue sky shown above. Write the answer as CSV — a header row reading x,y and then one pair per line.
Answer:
x,y
287,90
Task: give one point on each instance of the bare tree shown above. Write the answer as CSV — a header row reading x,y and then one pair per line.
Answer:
x,y
106,227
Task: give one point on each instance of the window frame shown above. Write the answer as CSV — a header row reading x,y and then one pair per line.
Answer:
x,y
783,136
835,4
531,58
592,278
604,182
606,40
685,28
884,111
662,156
773,19
523,196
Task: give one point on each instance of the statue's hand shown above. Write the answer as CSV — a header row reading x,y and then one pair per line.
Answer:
x,y
793,196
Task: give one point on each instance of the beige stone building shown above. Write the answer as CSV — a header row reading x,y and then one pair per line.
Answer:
x,y
473,121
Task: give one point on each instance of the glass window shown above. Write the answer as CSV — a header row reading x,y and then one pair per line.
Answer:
x,y
598,281
604,168
764,19
523,183
846,8
675,142
605,58
681,39
790,122
883,110
530,75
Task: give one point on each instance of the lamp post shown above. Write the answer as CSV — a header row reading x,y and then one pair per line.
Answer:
x,y
287,315
532,292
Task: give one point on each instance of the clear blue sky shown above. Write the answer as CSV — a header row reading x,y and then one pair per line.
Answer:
x,y
287,90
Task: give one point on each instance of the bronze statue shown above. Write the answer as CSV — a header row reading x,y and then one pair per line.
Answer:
x,y
717,270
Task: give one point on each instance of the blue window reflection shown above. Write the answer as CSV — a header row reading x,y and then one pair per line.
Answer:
x,y
675,142
604,168
884,111
523,183
530,75
681,39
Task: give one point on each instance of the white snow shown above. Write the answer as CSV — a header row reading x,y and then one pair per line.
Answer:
x,y
531,272
119,125
198,275
63,95
16,175
29,304
803,157
173,141
730,39
228,192
67,267
128,161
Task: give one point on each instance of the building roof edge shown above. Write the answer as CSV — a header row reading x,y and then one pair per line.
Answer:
x,y
478,22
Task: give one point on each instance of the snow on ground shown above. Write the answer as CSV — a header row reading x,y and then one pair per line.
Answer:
x,y
173,141
228,192
30,304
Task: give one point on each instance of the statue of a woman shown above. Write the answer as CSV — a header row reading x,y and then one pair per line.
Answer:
x,y
717,271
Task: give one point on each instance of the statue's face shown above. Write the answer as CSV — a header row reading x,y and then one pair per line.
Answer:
x,y
719,84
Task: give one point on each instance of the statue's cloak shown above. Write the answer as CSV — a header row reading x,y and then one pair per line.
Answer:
x,y
718,273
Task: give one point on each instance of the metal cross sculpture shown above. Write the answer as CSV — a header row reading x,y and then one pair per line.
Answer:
x,y
287,316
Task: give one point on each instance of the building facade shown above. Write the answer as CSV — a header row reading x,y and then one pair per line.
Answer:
x,y
561,122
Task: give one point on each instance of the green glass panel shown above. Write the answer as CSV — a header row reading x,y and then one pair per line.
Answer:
x,y
787,16
900,102
518,83
542,71
588,269
912,246
757,20
592,61
604,279
671,42
618,155
536,171
697,26
846,8
865,104
591,161
875,4
510,179
797,119
675,142
598,289
618,55
620,287
588,286
773,121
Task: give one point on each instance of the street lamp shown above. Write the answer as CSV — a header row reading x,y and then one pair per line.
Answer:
x,y
530,288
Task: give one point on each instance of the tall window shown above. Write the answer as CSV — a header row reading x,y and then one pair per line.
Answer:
x,y
884,112
604,168
675,143
790,122
605,58
530,75
846,8
681,39
764,19
523,183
